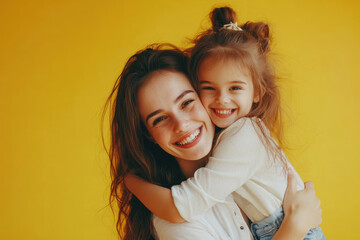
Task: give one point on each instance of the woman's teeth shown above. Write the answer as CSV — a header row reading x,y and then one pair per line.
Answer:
x,y
190,138
224,112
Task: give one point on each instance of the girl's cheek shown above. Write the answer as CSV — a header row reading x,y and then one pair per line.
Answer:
x,y
204,100
200,112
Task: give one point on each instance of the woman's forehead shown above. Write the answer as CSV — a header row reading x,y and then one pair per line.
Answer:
x,y
166,81
161,90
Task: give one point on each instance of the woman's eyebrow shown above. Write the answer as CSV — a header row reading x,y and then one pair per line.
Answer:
x,y
182,95
176,100
153,114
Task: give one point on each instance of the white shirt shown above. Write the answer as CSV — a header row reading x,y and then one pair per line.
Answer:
x,y
240,165
221,222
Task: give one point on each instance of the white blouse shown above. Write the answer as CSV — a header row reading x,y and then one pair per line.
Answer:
x,y
223,221
240,165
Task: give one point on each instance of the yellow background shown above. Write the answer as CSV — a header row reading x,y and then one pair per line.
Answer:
x,y
59,60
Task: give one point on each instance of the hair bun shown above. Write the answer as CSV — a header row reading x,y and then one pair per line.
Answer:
x,y
221,16
261,32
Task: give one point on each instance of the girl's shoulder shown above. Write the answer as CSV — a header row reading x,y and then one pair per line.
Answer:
x,y
245,132
244,127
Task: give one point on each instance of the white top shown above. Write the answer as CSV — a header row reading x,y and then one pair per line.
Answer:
x,y
240,164
221,222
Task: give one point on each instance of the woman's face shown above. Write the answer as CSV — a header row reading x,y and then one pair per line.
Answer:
x,y
174,116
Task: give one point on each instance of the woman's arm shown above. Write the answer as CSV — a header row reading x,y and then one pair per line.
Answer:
x,y
155,198
302,211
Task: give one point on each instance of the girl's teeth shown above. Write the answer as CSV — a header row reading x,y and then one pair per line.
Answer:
x,y
190,138
223,111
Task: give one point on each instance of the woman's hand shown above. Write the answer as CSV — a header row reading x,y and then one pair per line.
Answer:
x,y
302,207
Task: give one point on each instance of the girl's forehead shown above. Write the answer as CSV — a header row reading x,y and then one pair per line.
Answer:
x,y
214,67
234,61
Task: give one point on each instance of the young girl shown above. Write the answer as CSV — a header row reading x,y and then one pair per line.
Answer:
x,y
236,82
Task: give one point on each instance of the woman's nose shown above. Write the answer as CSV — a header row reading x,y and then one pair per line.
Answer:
x,y
181,124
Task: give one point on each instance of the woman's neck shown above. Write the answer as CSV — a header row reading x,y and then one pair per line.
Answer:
x,y
188,167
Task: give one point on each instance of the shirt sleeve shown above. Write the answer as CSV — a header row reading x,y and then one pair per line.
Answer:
x,y
239,153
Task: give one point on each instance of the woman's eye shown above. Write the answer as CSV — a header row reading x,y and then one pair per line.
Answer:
x,y
184,104
158,120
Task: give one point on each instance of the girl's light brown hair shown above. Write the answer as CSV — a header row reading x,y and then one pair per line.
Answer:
x,y
131,150
249,47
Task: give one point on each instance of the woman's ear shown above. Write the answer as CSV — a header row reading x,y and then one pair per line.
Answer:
x,y
149,137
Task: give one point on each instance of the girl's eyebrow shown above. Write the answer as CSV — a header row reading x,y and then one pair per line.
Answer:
x,y
237,81
204,82
176,100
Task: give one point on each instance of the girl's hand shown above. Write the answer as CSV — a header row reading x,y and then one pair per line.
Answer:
x,y
301,207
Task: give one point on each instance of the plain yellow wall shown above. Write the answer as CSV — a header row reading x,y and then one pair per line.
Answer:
x,y
59,60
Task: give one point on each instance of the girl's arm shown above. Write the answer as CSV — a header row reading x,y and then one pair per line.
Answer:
x,y
235,160
155,198
237,156
302,211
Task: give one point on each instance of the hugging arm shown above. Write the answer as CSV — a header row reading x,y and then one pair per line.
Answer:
x,y
302,211
234,161
302,208
155,198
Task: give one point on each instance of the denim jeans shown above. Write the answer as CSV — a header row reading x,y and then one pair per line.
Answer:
x,y
266,228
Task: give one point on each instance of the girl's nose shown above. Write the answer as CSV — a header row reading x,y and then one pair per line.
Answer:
x,y
222,98
181,124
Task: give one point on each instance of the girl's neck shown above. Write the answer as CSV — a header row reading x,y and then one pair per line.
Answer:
x,y
188,167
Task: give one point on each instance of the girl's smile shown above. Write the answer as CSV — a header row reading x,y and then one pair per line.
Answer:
x,y
223,112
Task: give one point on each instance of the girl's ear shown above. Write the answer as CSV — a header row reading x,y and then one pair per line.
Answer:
x,y
258,95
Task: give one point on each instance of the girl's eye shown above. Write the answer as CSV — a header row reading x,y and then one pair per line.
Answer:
x,y
158,120
207,88
236,88
187,102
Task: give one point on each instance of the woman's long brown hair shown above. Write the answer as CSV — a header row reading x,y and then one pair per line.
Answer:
x,y
131,150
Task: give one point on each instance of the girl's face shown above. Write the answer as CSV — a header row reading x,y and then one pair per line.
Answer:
x,y
226,90
173,114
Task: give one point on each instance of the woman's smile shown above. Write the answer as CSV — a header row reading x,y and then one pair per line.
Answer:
x,y
189,139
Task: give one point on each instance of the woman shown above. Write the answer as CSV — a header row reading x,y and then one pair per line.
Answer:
x,y
161,132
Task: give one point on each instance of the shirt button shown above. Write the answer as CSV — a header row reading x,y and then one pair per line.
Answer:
x,y
235,213
242,227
